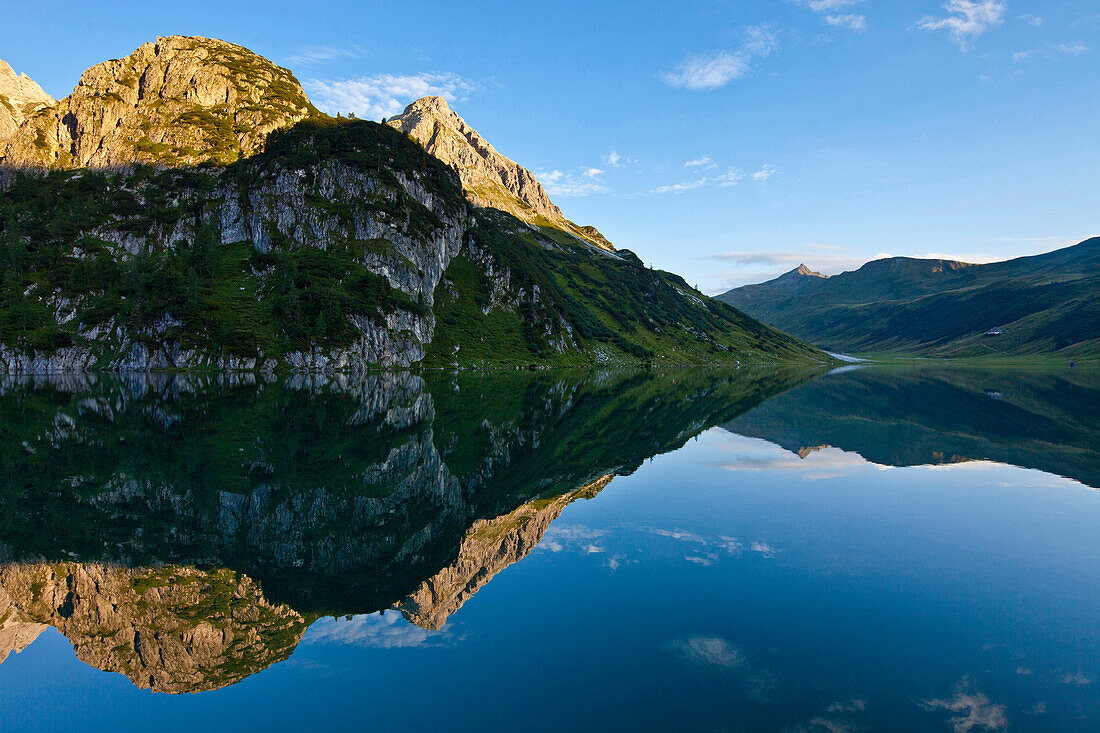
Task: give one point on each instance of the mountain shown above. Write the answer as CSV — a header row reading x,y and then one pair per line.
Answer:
x,y
142,227
179,101
20,97
1043,304
489,179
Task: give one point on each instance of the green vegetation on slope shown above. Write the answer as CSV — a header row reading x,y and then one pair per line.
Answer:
x,y
194,290
523,296
1046,304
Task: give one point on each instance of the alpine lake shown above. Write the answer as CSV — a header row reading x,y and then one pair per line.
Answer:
x,y
871,548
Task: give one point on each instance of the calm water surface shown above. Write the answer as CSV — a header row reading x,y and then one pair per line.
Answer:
x,y
871,549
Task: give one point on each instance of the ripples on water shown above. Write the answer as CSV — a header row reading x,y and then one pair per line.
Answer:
x,y
876,548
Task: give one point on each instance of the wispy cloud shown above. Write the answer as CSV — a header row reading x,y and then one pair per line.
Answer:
x,y
830,12
1052,53
1072,49
576,184
764,173
1034,20
729,178
852,21
682,187
385,95
723,180
966,19
323,54
718,68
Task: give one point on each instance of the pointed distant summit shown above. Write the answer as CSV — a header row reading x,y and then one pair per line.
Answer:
x,y
489,179
180,100
797,277
20,97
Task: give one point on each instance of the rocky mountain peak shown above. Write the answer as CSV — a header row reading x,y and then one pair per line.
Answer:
x,y
807,272
20,97
180,100
489,179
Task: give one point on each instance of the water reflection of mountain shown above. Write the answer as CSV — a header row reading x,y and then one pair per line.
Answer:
x,y
1049,420
185,531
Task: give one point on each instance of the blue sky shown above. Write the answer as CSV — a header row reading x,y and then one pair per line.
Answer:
x,y
727,141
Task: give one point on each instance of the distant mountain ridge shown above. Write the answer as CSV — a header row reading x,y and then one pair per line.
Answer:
x,y
1041,304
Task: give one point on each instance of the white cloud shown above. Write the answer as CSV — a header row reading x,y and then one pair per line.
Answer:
x,y
703,161
572,185
613,159
974,710
729,178
764,173
1072,49
966,19
1030,19
851,21
1052,53
323,54
679,188
718,68
385,95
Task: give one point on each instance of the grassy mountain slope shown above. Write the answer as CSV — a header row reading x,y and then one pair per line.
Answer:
x,y
518,295
1044,304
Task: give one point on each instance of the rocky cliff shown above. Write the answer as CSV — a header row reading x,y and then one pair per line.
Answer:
x,y
20,97
489,179
180,100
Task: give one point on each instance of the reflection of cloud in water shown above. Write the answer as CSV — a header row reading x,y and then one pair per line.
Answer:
x,y
561,537
1076,678
385,630
756,454
975,710
714,651
833,724
701,550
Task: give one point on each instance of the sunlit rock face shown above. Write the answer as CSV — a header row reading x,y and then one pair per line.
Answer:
x,y
180,100
169,629
489,179
20,97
